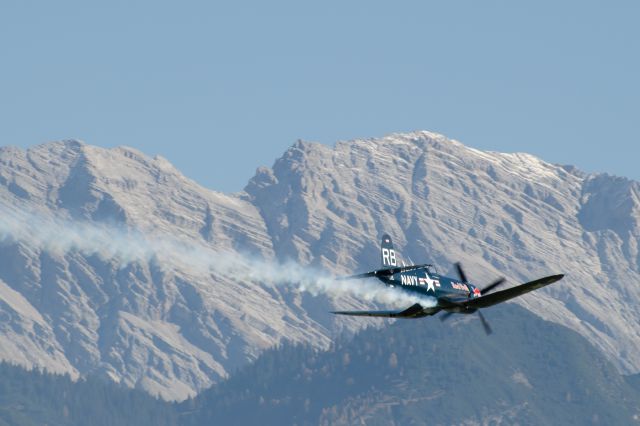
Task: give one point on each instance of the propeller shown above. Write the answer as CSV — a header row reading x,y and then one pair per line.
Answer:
x,y
485,324
493,285
483,291
463,278
445,316
461,273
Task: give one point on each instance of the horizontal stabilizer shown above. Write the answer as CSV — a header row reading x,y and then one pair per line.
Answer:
x,y
413,311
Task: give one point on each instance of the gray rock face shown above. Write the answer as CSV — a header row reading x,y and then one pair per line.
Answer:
x,y
161,329
173,331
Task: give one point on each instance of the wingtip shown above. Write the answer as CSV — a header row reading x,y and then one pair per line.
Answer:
x,y
553,278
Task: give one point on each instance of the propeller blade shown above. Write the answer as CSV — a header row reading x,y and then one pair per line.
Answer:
x,y
461,273
493,285
445,316
485,324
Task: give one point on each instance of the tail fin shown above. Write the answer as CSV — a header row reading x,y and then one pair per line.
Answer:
x,y
387,252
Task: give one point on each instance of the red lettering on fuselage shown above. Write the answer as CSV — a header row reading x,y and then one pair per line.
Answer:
x,y
460,286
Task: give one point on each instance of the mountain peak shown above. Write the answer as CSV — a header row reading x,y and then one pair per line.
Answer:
x,y
173,332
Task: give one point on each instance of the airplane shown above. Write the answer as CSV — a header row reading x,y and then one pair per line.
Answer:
x,y
453,295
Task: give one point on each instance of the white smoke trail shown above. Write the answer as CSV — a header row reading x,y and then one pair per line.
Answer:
x,y
125,246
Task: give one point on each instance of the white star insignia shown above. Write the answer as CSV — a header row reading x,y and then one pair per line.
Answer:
x,y
430,283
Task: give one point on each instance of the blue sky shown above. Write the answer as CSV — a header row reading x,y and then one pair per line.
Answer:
x,y
220,88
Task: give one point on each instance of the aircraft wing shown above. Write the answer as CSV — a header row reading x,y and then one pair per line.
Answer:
x,y
504,295
411,312
384,272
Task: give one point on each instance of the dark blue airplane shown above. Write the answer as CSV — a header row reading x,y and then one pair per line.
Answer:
x,y
452,295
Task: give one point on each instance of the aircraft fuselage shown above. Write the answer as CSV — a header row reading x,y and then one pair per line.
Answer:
x,y
432,284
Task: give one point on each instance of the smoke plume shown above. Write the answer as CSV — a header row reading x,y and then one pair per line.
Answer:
x,y
125,246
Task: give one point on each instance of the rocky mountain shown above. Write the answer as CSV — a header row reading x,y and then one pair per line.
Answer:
x,y
511,214
77,295
162,329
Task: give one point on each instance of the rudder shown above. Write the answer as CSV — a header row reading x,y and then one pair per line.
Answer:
x,y
387,253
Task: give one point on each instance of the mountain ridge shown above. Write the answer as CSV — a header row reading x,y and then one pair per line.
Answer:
x,y
538,188
173,333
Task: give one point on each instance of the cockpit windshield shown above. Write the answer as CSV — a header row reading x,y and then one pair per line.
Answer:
x,y
432,269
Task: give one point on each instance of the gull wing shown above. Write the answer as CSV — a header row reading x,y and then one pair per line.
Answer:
x,y
413,311
384,272
504,295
